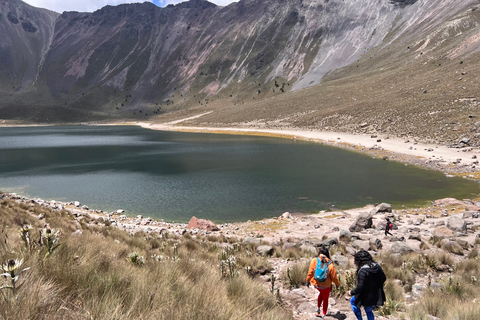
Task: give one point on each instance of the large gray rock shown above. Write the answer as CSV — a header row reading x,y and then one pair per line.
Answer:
x,y
306,308
331,242
457,224
375,244
400,248
251,240
415,235
265,250
441,232
287,245
470,214
340,260
363,221
360,244
452,246
345,235
309,248
384,207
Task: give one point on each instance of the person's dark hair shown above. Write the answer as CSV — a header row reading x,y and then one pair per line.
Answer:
x,y
362,258
324,250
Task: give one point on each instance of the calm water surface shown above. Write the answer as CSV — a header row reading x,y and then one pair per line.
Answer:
x,y
172,175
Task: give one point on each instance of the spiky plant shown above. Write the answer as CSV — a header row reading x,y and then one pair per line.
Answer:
x,y
26,236
135,259
49,238
11,272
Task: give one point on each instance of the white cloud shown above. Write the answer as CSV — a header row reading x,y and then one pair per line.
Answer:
x,y
92,5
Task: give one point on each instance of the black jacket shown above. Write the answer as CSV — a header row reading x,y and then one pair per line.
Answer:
x,y
369,291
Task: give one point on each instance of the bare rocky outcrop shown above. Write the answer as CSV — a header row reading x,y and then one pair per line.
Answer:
x,y
202,224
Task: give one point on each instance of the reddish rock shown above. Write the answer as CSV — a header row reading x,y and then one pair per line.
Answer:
x,y
202,224
442,232
472,207
448,202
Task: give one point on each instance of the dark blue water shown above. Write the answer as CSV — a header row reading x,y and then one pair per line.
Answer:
x,y
173,175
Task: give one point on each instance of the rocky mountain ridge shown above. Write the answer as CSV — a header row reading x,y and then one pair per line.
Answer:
x,y
141,60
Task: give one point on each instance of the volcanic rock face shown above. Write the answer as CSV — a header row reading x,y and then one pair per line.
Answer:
x,y
123,58
26,34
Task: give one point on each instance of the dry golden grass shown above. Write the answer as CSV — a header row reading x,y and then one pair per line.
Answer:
x,y
90,277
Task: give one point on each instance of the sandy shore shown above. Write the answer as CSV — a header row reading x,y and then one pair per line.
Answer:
x,y
437,157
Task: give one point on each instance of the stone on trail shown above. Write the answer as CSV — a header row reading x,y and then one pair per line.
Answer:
x,y
457,224
340,260
251,240
441,232
364,221
306,308
470,215
383,207
375,244
286,215
265,250
345,235
360,244
415,236
202,224
309,248
400,248
447,202
331,242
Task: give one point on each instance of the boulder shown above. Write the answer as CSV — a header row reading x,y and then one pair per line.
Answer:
x,y
464,243
400,248
363,221
383,207
251,240
340,260
288,245
415,236
470,214
286,215
396,239
306,308
448,202
265,250
359,244
418,221
457,224
309,248
452,247
202,224
375,244
330,242
345,235
441,232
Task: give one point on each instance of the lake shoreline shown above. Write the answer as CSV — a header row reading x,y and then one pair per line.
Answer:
x,y
451,161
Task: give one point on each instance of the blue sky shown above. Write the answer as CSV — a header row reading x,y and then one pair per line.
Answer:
x,y
92,5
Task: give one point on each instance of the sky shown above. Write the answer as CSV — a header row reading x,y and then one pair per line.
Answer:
x,y
92,5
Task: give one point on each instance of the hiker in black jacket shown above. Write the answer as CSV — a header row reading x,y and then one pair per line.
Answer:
x,y
369,291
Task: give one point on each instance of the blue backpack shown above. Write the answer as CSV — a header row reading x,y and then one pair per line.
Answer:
x,y
321,271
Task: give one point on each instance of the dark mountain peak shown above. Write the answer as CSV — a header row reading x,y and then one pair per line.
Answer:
x,y
403,3
125,8
196,4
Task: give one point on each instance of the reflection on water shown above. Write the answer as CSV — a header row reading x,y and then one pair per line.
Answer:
x,y
172,176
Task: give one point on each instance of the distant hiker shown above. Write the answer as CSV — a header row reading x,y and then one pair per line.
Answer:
x,y
369,291
321,274
388,227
